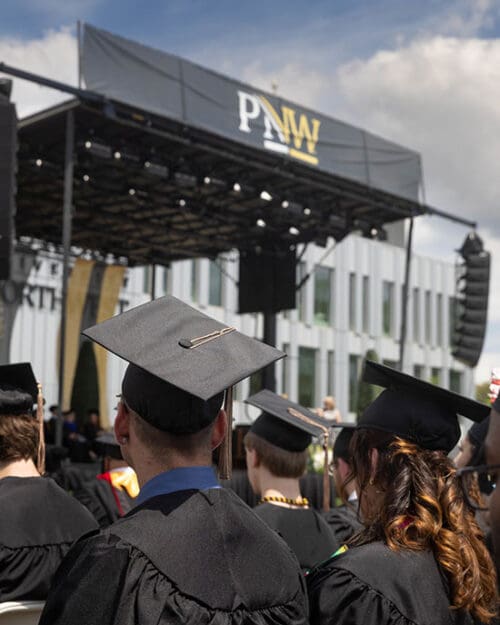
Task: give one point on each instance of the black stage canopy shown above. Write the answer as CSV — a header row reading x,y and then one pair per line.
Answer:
x,y
153,184
152,190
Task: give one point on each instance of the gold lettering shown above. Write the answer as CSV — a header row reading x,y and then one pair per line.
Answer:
x,y
303,131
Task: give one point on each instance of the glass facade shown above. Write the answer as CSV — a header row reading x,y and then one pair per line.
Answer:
x,y
307,377
387,307
322,295
439,320
285,369
416,315
194,280
330,382
366,304
428,317
353,381
215,285
352,301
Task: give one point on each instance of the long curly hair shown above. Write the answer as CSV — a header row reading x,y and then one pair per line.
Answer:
x,y
421,506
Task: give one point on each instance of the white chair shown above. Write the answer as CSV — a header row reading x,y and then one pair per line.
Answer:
x,y
20,612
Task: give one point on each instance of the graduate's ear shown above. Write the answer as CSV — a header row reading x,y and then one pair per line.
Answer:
x,y
122,424
219,429
252,457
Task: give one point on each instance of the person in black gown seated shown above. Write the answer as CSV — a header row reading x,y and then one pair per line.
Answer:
x,y
39,521
421,558
276,453
344,520
189,551
112,493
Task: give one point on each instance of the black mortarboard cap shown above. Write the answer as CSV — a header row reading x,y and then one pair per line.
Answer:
x,y
18,389
415,410
179,359
107,445
284,423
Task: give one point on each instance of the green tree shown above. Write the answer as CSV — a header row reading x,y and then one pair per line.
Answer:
x,y
367,392
482,392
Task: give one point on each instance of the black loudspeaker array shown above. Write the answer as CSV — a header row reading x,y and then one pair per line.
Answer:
x,y
472,301
267,280
8,173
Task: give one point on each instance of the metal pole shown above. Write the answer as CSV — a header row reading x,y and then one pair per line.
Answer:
x,y
153,281
79,35
404,303
269,373
66,241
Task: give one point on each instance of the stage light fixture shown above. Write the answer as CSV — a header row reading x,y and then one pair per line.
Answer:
x,y
131,191
38,162
284,204
88,144
307,211
261,223
182,202
207,180
294,231
266,196
236,187
117,155
86,177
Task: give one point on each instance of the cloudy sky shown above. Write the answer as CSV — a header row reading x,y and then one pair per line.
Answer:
x,y
424,74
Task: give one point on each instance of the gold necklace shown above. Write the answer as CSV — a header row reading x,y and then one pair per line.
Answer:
x,y
299,501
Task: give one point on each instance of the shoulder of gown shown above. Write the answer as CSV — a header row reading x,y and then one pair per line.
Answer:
x,y
38,525
188,557
343,522
375,585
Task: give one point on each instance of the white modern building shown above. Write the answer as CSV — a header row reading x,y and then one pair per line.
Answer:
x,y
350,304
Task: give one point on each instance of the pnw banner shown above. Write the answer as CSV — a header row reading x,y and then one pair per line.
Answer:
x,y
93,291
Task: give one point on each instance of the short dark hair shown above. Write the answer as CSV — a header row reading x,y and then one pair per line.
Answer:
x,y
279,462
19,438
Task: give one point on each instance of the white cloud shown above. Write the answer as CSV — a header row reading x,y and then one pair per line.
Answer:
x,y
52,56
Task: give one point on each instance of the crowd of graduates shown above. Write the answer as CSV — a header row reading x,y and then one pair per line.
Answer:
x,y
393,531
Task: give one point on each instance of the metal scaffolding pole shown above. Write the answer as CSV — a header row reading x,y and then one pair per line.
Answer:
x,y
66,242
404,303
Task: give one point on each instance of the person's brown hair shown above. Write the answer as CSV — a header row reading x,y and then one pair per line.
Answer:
x,y
423,508
19,437
279,462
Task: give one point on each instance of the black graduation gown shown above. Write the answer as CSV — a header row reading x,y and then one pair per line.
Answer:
x,y
305,531
107,504
343,521
200,557
373,585
38,524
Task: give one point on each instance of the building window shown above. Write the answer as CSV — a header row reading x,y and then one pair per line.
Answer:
x,y
418,371
366,304
387,307
301,300
352,301
194,280
439,320
307,376
146,279
166,272
452,313
353,382
322,295
455,381
215,283
428,317
330,368
416,315
436,376
285,370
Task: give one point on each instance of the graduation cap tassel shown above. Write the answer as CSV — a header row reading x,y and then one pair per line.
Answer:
x,y
326,474
226,447
41,437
